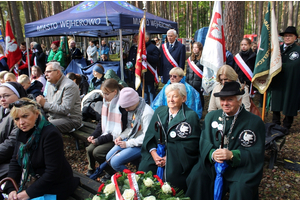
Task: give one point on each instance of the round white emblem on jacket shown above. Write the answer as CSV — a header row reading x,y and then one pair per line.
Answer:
x,y
183,129
247,138
294,55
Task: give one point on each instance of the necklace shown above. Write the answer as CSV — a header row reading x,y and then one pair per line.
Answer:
x,y
227,136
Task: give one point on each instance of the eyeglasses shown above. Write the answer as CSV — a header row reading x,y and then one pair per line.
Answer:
x,y
173,76
49,71
20,103
5,96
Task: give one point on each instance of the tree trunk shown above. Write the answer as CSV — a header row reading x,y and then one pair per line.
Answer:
x,y
197,2
280,16
2,22
169,4
178,15
252,16
31,11
260,12
10,17
234,24
155,8
17,22
285,14
191,20
290,18
161,13
173,18
26,11
187,19
296,13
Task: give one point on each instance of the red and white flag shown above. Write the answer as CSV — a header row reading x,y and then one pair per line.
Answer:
x,y
12,52
214,53
141,57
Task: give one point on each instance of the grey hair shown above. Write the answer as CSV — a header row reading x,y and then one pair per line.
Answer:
x,y
147,35
176,86
33,43
173,31
55,65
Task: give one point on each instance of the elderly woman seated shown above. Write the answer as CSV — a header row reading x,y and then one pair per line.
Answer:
x,y
193,97
226,74
38,162
180,132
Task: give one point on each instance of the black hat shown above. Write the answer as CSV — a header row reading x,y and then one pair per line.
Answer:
x,y
289,29
230,89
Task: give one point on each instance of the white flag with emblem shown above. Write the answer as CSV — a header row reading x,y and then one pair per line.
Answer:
x,y
214,53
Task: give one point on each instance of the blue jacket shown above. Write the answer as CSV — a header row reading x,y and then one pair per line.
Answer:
x,y
193,100
178,53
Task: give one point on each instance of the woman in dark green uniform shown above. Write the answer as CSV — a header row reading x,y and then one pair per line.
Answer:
x,y
180,133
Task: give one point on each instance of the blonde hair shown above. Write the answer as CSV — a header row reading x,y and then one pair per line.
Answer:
x,y
178,71
10,75
29,105
23,79
228,71
2,74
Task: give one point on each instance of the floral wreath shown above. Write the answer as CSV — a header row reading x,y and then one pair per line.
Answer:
x,y
127,185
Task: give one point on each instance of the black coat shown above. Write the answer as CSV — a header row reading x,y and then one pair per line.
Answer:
x,y
249,59
49,162
132,55
153,55
40,57
35,88
3,64
192,78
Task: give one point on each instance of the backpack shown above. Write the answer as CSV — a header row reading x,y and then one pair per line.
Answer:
x,y
273,132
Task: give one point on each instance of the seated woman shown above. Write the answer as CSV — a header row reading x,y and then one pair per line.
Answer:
x,y
131,139
113,122
226,74
9,93
193,97
38,155
180,133
98,72
37,74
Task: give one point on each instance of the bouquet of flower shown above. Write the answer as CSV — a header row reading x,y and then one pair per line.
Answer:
x,y
133,186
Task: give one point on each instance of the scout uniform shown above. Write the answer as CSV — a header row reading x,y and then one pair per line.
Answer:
x,y
181,137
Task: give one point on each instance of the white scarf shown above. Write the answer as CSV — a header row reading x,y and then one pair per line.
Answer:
x,y
111,117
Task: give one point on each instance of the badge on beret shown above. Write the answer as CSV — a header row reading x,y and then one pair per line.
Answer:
x,y
294,55
247,138
173,134
214,124
183,129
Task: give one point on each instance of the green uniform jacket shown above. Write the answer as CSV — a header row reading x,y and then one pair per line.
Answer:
x,y
58,56
182,150
285,85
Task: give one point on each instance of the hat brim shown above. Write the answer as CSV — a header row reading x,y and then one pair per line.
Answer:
x,y
282,34
228,93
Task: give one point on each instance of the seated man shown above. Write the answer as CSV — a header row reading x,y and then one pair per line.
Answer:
x,y
62,101
243,149
34,88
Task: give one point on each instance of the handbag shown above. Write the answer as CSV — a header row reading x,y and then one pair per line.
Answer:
x,y
254,109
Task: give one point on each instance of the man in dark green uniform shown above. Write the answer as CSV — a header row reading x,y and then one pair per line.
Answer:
x,y
243,150
285,86
180,133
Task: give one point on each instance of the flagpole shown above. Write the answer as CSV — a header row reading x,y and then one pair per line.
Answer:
x,y
28,52
264,107
143,74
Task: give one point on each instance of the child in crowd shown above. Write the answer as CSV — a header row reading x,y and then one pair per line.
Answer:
x,y
34,88
2,76
10,77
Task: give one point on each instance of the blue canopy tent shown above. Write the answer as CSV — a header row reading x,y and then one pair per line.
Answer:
x,y
98,19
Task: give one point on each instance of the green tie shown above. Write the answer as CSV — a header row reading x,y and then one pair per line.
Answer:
x,y
171,117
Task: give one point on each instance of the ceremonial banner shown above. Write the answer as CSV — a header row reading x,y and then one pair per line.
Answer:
x,y
12,53
141,58
214,53
268,60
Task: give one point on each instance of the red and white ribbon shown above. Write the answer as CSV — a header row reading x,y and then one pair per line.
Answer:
x,y
169,56
153,71
194,67
244,67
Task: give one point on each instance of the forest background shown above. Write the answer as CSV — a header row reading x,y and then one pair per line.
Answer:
x,y
239,17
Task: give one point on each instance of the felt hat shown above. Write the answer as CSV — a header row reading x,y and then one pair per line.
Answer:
x,y
128,97
17,88
230,89
289,29
56,43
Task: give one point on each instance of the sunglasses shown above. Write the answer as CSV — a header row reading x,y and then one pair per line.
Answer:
x,y
174,76
20,103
